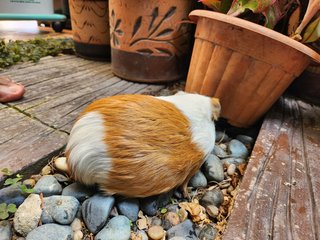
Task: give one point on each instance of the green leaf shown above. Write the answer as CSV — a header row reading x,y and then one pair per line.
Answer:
x,y
6,171
3,206
8,181
4,215
12,208
24,189
19,176
312,32
163,210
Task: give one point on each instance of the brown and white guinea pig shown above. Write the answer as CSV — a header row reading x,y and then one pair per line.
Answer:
x,y
138,145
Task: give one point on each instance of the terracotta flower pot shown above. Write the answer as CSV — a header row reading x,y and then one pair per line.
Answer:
x,y
244,64
149,42
90,27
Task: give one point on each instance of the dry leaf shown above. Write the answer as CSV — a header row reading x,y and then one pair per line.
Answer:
x,y
242,167
135,236
197,212
142,223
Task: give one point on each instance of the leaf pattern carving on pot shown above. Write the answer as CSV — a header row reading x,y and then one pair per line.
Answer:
x,y
98,8
115,31
160,33
89,21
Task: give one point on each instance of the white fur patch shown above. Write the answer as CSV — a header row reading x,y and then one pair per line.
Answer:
x,y
198,110
88,152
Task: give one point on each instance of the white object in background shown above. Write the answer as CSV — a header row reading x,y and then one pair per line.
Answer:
x,y
19,26
27,6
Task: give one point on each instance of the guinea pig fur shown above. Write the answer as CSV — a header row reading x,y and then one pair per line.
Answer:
x,y
139,146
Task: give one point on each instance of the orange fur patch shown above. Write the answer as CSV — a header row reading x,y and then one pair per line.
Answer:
x,y
149,141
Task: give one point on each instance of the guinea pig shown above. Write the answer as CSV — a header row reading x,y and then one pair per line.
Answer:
x,y
139,145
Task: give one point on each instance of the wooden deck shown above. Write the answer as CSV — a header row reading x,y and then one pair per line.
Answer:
x,y
279,197
36,128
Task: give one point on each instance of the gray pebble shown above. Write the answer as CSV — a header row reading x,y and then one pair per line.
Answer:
x,y
212,210
60,209
5,230
237,149
150,205
198,180
177,238
96,210
48,186
11,194
208,232
129,208
118,228
184,229
235,161
231,169
221,137
245,139
78,191
213,197
61,178
28,215
155,221
51,231
172,208
213,168
219,152
142,234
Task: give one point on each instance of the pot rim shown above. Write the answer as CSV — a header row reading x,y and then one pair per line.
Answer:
x,y
195,14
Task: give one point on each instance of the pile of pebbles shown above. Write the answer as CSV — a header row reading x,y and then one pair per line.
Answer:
x,y
62,210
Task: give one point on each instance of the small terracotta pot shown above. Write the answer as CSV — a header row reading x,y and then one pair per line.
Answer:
x,y
149,41
245,65
90,28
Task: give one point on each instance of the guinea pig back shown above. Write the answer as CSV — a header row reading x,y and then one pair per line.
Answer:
x,y
137,145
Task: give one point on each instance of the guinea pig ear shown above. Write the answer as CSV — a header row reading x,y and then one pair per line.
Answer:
x,y
216,108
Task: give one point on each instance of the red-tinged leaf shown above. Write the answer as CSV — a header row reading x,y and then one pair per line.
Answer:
x,y
256,6
294,20
272,16
218,5
312,32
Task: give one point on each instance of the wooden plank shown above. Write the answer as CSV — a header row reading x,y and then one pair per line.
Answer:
x,y
57,89
279,197
24,141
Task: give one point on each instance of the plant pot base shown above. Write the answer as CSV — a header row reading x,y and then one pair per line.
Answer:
x,y
145,68
93,52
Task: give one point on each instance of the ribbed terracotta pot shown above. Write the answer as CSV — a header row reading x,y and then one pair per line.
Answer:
x,y
245,65
149,41
90,28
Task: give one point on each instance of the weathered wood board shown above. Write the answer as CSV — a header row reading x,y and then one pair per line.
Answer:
x,y
23,140
279,197
57,90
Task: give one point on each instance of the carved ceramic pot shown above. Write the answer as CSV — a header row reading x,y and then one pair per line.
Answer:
x,y
149,40
90,27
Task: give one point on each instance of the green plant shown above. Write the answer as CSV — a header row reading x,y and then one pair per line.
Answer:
x,y
5,210
271,12
13,52
16,181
